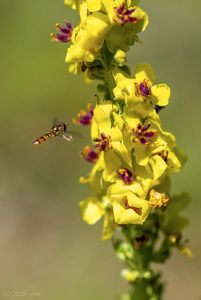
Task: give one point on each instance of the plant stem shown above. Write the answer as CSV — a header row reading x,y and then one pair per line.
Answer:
x,y
109,80
147,285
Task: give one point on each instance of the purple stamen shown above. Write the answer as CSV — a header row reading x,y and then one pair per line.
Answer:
x,y
145,127
89,154
143,135
125,175
102,143
85,117
144,89
64,34
129,11
124,15
149,134
121,9
143,141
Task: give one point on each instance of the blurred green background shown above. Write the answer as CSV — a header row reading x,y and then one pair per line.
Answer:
x,y
46,250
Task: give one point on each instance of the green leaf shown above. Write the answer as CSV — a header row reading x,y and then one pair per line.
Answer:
x,y
165,185
176,224
177,204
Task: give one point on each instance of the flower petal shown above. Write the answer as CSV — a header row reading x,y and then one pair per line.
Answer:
x,y
158,166
108,226
161,94
135,213
144,71
92,210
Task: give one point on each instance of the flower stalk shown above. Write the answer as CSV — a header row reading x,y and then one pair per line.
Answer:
x,y
132,155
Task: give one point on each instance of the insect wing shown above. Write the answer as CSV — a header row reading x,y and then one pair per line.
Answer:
x,y
67,137
75,134
55,122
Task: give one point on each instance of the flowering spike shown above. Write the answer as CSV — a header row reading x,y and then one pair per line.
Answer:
x,y
132,155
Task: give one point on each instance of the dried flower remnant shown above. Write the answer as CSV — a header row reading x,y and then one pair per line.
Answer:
x,y
158,200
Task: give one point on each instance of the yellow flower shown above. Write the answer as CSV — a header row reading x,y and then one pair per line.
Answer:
x,y
100,21
71,3
120,57
91,5
130,209
152,145
140,88
94,178
125,26
94,5
93,209
107,135
121,12
108,225
129,206
119,190
88,38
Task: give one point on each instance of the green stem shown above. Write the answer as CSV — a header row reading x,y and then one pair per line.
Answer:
x,y
109,80
147,285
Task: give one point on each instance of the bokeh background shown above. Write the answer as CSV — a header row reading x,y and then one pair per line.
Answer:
x,y
46,251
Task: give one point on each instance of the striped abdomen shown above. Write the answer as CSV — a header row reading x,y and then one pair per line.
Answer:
x,y
44,138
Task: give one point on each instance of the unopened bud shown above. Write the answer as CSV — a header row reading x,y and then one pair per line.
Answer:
x,y
120,57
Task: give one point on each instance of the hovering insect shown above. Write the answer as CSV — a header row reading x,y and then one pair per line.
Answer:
x,y
58,129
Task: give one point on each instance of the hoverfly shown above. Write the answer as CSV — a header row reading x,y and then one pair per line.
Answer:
x,y
58,129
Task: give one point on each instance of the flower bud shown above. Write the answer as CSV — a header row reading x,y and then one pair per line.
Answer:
x,y
120,57
129,275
